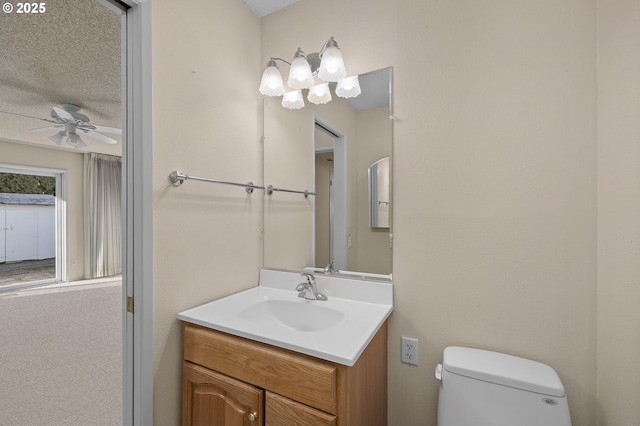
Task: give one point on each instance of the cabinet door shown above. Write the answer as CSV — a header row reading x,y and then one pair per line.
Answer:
x,y
213,399
284,411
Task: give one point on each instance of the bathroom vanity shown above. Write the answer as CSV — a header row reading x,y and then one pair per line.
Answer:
x,y
246,361
237,379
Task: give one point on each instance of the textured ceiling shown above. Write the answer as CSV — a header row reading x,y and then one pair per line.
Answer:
x,y
68,54
265,7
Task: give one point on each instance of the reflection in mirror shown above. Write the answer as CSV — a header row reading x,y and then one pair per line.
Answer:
x,y
328,149
330,144
379,203
324,182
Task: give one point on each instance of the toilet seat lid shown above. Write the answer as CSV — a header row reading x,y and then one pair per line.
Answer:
x,y
503,369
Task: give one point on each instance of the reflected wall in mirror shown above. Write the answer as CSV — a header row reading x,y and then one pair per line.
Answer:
x,y
328,149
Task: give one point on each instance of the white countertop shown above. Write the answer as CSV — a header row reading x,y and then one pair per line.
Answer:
x,y
360,309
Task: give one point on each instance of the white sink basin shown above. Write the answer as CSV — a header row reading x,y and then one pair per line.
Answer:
x,y
338,329
292,313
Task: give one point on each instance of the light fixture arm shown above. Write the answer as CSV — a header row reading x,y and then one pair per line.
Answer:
x,y
272,62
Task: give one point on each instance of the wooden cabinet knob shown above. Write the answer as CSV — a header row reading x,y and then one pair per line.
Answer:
x,y
253,416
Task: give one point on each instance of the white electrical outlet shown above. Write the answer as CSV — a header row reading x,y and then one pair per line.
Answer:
x,y
409,349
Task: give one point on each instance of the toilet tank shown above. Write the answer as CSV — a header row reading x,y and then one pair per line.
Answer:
x,y
484,388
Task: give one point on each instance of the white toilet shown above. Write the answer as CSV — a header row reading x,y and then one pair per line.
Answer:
x,y
484,388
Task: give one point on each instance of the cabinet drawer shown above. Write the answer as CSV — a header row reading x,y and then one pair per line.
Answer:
x,y
300,377
283,411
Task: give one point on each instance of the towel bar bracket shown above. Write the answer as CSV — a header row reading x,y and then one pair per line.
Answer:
x,y
271,189
177,178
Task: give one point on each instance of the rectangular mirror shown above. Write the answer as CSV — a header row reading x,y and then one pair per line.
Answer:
x,y
327,150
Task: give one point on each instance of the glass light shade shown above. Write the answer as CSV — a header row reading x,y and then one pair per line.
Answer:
x,y
57,138
332,65
300,76
348,87
75,141
271,83
293,100
319,94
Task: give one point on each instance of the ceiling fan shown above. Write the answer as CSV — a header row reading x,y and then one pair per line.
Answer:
x,y
70,121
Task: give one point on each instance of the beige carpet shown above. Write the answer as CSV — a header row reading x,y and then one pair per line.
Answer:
x,y
61,357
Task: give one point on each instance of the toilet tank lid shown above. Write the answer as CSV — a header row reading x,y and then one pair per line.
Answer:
x,y
503,369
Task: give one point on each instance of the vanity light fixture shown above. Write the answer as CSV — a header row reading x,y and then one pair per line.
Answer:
x,y
319,94
328,65
271,84
293,99
332,65
300,74
348,87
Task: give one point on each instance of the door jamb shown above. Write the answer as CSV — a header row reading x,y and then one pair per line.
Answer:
x,y
137,271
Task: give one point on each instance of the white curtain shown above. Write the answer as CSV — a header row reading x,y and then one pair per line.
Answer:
x,y
103,218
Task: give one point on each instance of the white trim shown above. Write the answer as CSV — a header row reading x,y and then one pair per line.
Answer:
x,y
29,170
62,195
138,229
137,268
113,6
61,220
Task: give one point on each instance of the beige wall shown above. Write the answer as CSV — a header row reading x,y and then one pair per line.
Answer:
x,y
494,190
206,123
495,180
374,134
72,162
618,212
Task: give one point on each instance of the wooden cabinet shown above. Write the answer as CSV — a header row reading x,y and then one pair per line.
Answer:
x,y
231,380
214,399
283,411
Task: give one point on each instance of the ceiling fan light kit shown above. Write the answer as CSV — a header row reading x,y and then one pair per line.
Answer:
x,y
57,138
67,121
70,117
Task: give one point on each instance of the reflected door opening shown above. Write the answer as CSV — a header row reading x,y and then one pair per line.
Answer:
x,y
331,188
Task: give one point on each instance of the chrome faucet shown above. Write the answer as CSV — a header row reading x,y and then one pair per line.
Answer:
x,y
309,289
331,268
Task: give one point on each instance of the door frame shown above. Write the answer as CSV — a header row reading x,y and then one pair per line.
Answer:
x,y
138,193
137,198
339,237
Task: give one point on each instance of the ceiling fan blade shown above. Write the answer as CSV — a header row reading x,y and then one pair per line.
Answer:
x,y
48,128
64,114
28,116
107,129
98,136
